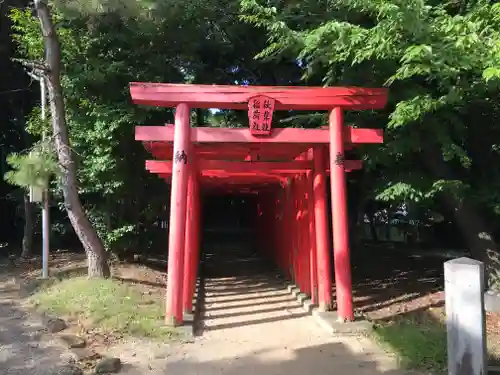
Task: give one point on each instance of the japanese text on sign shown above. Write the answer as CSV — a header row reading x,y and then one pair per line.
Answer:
x,y
260,114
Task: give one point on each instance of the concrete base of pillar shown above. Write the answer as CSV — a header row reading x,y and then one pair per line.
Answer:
x,y
186,330
324,308
329,320
172,322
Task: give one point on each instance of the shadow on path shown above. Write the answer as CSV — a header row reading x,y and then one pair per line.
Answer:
x,y
240,289
323,359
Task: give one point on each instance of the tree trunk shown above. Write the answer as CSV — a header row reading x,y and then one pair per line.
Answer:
x,y
96,254
28,227
475,231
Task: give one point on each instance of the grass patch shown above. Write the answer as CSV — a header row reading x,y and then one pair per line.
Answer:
x,y
32,285
418,342
109,306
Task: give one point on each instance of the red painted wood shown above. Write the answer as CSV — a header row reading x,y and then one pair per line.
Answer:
x,y
241,184
260,114
291,230
282,143
260,214
228,168
294,233
178,203
297,242
301,235
272,224
343,283
197,236
190,247
313,265
232,151
286,231
241,135
279,210
304,224
235,151
235,166
229,177
322,243
237,97
283,234
240,180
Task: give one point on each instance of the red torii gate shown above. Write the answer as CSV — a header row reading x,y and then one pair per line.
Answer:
x,y
245,159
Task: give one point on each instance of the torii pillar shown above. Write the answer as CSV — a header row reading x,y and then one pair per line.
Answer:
x,y
342,262
178,209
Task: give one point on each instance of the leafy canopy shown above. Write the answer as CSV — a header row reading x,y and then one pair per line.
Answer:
x,y
439,60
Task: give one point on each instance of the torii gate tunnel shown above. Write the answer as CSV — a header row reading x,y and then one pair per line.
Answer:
x,y
293,161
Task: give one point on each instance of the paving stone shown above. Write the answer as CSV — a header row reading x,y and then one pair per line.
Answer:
x,y
108,365
73,341
55,325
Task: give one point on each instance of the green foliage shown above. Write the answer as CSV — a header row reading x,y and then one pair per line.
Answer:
x,y
26,34
441,64
34,168
105,45
36,126
415,192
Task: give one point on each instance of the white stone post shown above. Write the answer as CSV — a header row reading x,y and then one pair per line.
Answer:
x,y
465,317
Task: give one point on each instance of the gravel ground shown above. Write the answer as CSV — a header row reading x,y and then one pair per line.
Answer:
x,y
24,350
256,328
252,326
249,325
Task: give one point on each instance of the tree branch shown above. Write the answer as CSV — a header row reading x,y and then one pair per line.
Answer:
x,y
36,67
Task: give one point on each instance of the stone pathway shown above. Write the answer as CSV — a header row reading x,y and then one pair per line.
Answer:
x,y
251,325
23,351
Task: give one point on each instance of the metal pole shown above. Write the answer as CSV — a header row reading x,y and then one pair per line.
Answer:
x,y
45,197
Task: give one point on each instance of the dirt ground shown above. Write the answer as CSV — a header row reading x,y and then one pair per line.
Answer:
x,y
23,349
389,283
251,325
397,283
248,324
